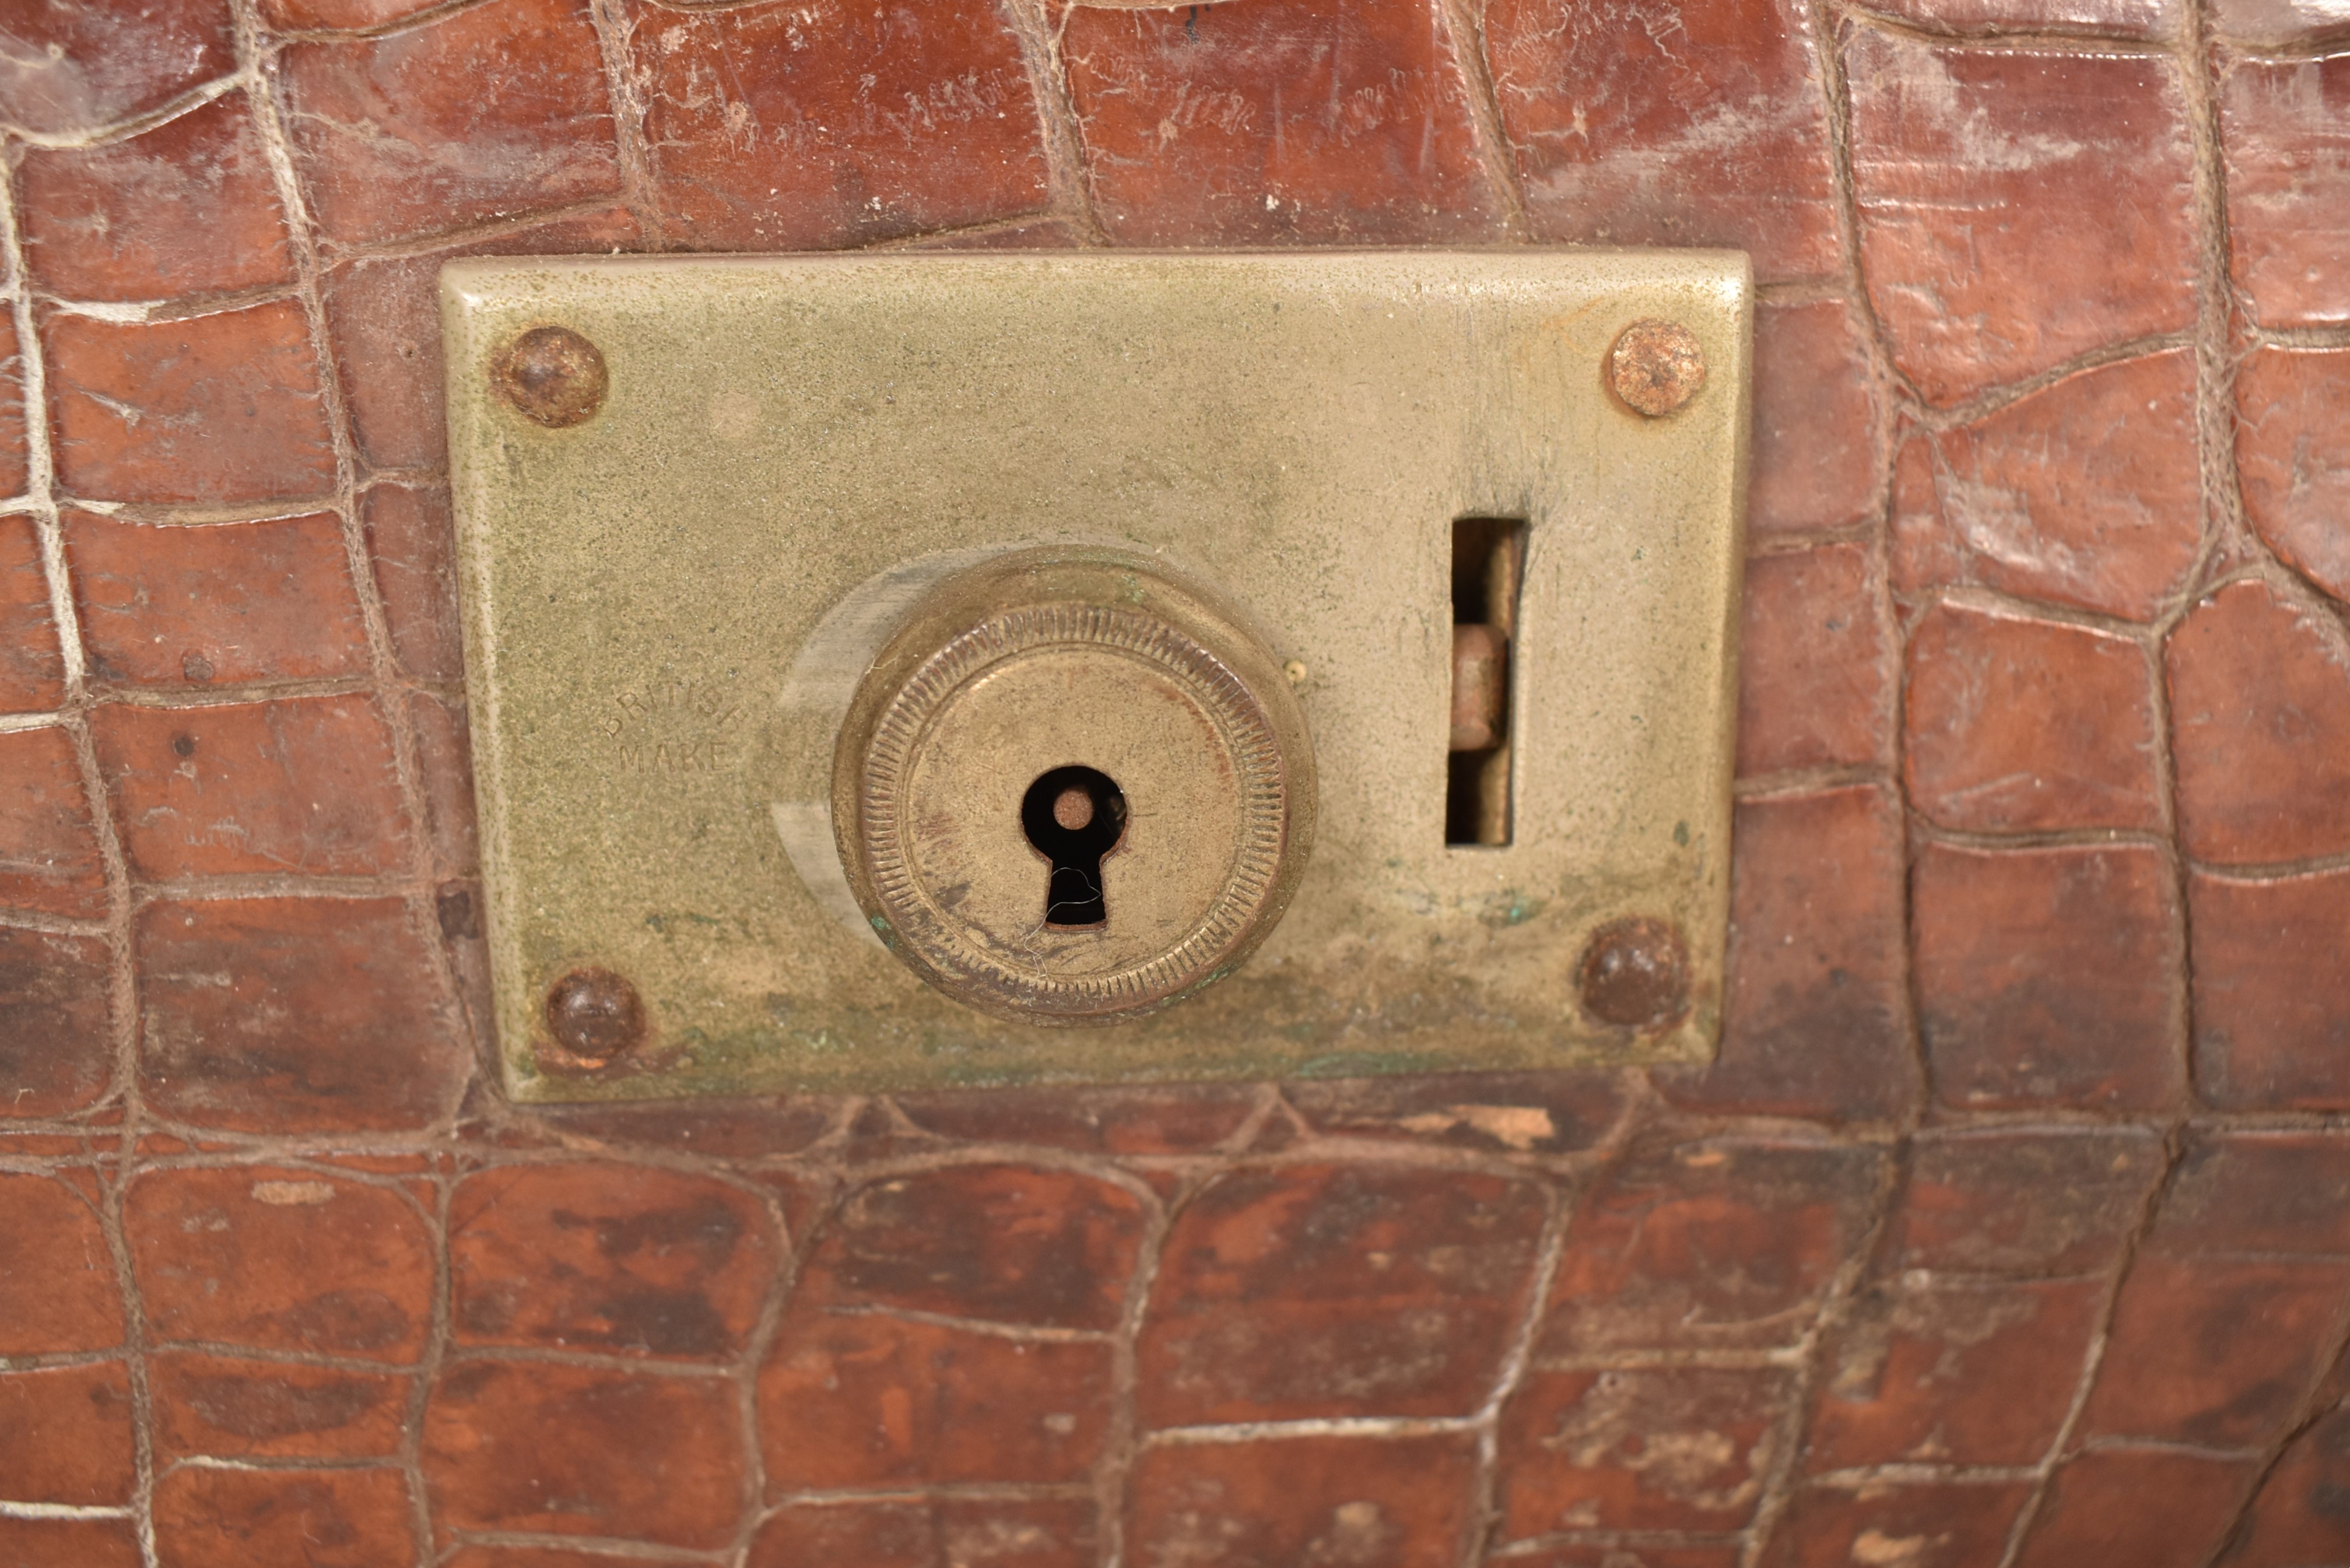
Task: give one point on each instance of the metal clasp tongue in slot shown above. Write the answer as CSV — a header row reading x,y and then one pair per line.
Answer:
x,y
1488,555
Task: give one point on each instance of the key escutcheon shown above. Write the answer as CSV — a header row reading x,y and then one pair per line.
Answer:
x,y
1073,790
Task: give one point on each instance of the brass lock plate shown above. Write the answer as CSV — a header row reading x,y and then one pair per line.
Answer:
x,y
696,495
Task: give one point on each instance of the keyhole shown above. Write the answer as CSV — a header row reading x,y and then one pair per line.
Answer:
x,y
1073,816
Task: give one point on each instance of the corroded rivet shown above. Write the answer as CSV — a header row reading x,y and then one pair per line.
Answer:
x,y
1635,974
552,375
594,1016
1655,367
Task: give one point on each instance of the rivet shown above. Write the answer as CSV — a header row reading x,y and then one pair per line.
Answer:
x,y
594,1016
1635,974
552,375
1655,367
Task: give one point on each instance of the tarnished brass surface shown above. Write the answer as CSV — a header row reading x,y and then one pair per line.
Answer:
x,y
1031,665
671,604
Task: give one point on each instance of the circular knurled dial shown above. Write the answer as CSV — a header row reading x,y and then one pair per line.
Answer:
x,y
1072,790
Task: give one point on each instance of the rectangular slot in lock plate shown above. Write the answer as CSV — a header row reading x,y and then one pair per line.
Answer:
x,y
1393,464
